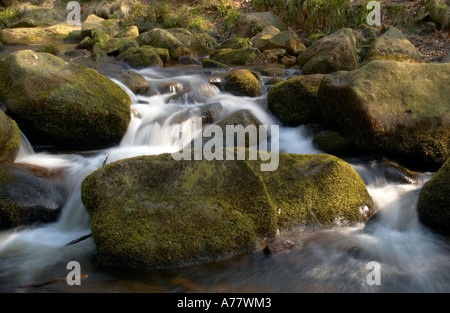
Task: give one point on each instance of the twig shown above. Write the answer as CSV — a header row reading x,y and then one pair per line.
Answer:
x,y
78,240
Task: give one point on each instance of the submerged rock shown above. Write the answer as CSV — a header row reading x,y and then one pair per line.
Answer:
x,y
155,212
69,103
26,198
434,201
330,54
399,108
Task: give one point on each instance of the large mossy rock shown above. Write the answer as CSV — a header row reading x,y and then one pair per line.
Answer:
x,y
69,103
242,82
246,56
114,46
397,108
250,24
156,212
93,22
38,35
294,101
394,46
286,40
439,11
26,198
145,56
434,201
330,54
9,137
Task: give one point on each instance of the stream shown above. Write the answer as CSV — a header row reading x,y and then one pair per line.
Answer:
x,y
411,258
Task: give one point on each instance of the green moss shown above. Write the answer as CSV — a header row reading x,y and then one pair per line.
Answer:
x,y
9,137
434,201
236,42
160,38
5,177
242,82
208,63
49,48
70,103
144,57
294,101
239,56
332,142
159,212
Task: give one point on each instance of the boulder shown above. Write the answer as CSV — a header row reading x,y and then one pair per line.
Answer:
x,y
135,82
26,198
208,63
68,103
439,11
37,35
294,101
156,212
49,47
398,108
394,46
286,40
434,201
9,138
330,54
242,83
145,56
332,142
131,31
246,56
250,24
235,42
241,117
116,46
93,22
161,38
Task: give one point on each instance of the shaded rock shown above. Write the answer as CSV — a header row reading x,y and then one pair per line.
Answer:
x,y
274,55
273,81
49,47
135,82
434,201
161,38
156,212
116,46
272,71
250,24
330,54
332,142
294,101
170,87
286,40
71,104
289,60
395,173
37,35
385,106
394,46
9,138
208,63
145,56
279,246
439,11
242,83
26,199
245,56
188,60
244,118
211,112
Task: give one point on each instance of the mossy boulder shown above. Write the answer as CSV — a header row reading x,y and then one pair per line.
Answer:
x,y
434,201
208,63
330,54
161,38
332,142
135,82
241,117
37,35
116,46
397,108
155,212
49,47
242,82
235,42
93,22
250,24
35,15
394,46
246,56
26,198
9,138
69,103
131,31
286,40
294,101
145,56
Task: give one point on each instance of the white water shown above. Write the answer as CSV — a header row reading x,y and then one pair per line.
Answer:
x,y
412,258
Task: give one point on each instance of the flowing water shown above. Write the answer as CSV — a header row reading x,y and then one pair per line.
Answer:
x,y
411,258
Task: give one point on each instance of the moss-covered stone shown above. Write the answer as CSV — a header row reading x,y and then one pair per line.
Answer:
x,y
116,46
332,142
70,103
294,101
145,56
434,201
37,35
235,42
157,212
93,22
439,11
241,117
242,83
208,63
250,24
49,47
9,137
26,198
286,40
399,109
394,46
330,54
161,38
135,82
131,31
245,56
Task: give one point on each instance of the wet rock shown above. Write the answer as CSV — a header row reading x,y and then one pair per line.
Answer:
x,y
211,112
170,87
332,142
208,63
9,138
243,83
398,174
188,60
279,246
145,56
26,199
